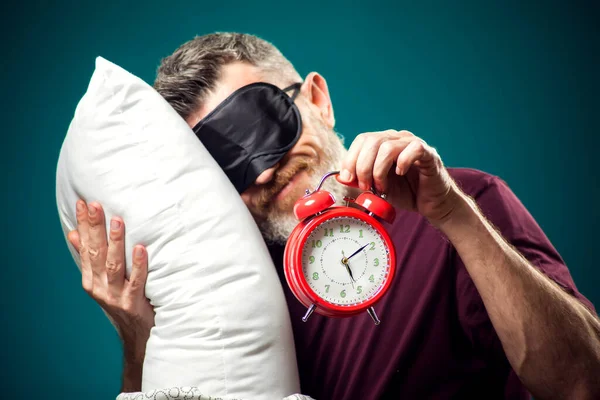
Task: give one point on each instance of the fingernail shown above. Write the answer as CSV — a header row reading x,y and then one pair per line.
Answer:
x,y
115,225
92,210
139,252
79,206
345,175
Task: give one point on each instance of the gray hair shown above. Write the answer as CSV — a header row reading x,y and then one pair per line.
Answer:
x,y
186,77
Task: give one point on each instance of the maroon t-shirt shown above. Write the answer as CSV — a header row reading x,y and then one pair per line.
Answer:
x,y
435,340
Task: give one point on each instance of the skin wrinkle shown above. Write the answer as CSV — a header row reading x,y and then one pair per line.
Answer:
x,y
264,201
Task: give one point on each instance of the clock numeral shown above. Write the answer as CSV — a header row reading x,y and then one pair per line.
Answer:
x,y
371,279
359,290
329,232
372,246
360,235
316,243
377,262
326,288
311,259
344,228
343,293
315,276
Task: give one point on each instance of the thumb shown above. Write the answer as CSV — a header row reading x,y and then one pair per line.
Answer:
x,y
73,238
344,180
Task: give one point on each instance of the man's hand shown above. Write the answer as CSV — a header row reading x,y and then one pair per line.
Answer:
x,y
523,304
103,278
404,167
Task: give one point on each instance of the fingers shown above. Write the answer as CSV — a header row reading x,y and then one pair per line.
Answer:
x,y
371,157
97,244
82,222
348,172
103,271
365,160
139,271
386,156
82,232
416,151
115,258
73,238
361,157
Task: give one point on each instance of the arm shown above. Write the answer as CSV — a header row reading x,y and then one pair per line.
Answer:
x,y
103,278
134,338
551,339
132,373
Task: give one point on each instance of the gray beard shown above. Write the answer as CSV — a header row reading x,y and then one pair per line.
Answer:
x,y
278,226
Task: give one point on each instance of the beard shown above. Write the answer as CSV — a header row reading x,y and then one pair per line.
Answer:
x,y
279,220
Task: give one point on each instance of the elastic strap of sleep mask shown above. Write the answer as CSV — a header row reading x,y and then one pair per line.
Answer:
x,y
296,90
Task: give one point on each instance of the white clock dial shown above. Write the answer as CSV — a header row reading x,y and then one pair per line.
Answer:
x,y
334,267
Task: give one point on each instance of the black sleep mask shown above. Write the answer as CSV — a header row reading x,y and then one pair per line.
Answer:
x,y
251,131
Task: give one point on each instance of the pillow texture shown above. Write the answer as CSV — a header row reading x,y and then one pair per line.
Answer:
x,y
222,323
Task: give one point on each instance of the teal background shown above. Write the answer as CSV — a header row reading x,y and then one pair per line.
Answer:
x,y
505,87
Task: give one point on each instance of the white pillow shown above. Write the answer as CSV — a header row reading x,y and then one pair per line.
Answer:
x,y
222,323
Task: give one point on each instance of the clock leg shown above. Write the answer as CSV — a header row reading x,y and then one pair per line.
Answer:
x,y
309,312
371,312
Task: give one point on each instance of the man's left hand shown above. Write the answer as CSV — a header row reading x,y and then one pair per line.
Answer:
x,y
404,167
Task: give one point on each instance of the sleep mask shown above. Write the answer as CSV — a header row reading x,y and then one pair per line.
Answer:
x,y
251,130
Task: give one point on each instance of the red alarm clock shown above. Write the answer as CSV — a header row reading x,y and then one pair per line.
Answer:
x,y
339,260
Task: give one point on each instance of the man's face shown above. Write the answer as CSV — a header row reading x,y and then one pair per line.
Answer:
x,y
319,150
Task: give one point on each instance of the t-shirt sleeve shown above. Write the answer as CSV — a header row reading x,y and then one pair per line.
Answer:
x,y
506,212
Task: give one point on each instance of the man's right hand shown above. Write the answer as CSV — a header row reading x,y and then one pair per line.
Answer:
x,y
103,278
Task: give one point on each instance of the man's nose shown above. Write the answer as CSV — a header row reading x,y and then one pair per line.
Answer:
x,y
266,176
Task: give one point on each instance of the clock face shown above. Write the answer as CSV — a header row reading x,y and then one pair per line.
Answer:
x,y
345,261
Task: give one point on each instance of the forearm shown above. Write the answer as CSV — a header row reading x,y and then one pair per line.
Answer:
x,y
134,352
132,376
550,339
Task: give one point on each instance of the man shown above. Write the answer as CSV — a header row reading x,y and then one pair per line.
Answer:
x,y
483,305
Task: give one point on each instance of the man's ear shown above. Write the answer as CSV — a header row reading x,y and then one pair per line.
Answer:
x,y
315,90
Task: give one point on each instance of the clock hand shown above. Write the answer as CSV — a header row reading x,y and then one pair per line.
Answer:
x,y
357,251
351,277
349,271
345,264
